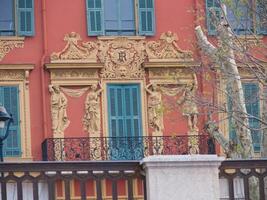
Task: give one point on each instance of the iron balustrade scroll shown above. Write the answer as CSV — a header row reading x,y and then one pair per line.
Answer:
x,y
41,180
243,179
123,148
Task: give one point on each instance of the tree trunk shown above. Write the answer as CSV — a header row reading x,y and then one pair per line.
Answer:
x,y
225,58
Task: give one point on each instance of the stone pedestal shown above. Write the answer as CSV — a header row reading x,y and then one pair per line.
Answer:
x,y
183,177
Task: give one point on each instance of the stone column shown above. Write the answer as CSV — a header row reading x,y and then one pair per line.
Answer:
x,y
182,177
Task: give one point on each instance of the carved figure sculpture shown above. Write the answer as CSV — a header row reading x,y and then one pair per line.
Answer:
x,y
58,110
189,108
155,108
91,119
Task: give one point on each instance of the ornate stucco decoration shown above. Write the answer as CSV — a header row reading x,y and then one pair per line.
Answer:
x,y
91,119
166,49
155,109
122,58
84,52
59,104
7,44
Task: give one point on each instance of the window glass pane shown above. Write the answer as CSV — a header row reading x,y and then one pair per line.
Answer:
x,y
144,20
21,3
91,3
92,20
98,20
210,3
6,17
28,21
29,3
22,21
149,4
142,3
149,21
240,17
98,3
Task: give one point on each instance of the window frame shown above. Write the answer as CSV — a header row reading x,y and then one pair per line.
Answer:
x,y
137,20
231,131
17,75
255,21
143,106
18,32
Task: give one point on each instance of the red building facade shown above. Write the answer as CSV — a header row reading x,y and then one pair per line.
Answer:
x,y
103,69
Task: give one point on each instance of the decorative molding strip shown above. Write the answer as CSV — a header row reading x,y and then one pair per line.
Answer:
x,y
15,72
9,43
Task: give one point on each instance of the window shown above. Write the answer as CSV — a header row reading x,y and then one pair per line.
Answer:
x,y
244,17
16,18
124,110
9,98
120,17
252,100
124,120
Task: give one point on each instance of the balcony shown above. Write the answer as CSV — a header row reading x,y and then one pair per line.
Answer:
x,y
124,148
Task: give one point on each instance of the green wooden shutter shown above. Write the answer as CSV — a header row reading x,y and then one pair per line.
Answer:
x,y
261,17
251,92
124,110
252,101
9,97
212,6
25,13
146,17
94,17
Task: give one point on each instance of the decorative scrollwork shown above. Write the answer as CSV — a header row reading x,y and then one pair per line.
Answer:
x,y
122,58
6,45
167,49
75,52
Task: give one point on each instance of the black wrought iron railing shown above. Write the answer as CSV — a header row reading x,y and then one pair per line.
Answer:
x,y
124,148
72,180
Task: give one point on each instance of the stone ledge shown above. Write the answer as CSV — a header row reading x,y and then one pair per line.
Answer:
x,y
182,160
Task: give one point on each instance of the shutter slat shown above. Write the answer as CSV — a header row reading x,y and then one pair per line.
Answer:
x,y
25,13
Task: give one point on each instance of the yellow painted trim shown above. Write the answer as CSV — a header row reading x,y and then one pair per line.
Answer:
x,y
115,37
74,65
161,63
143,106
17,66
9,38
25,128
